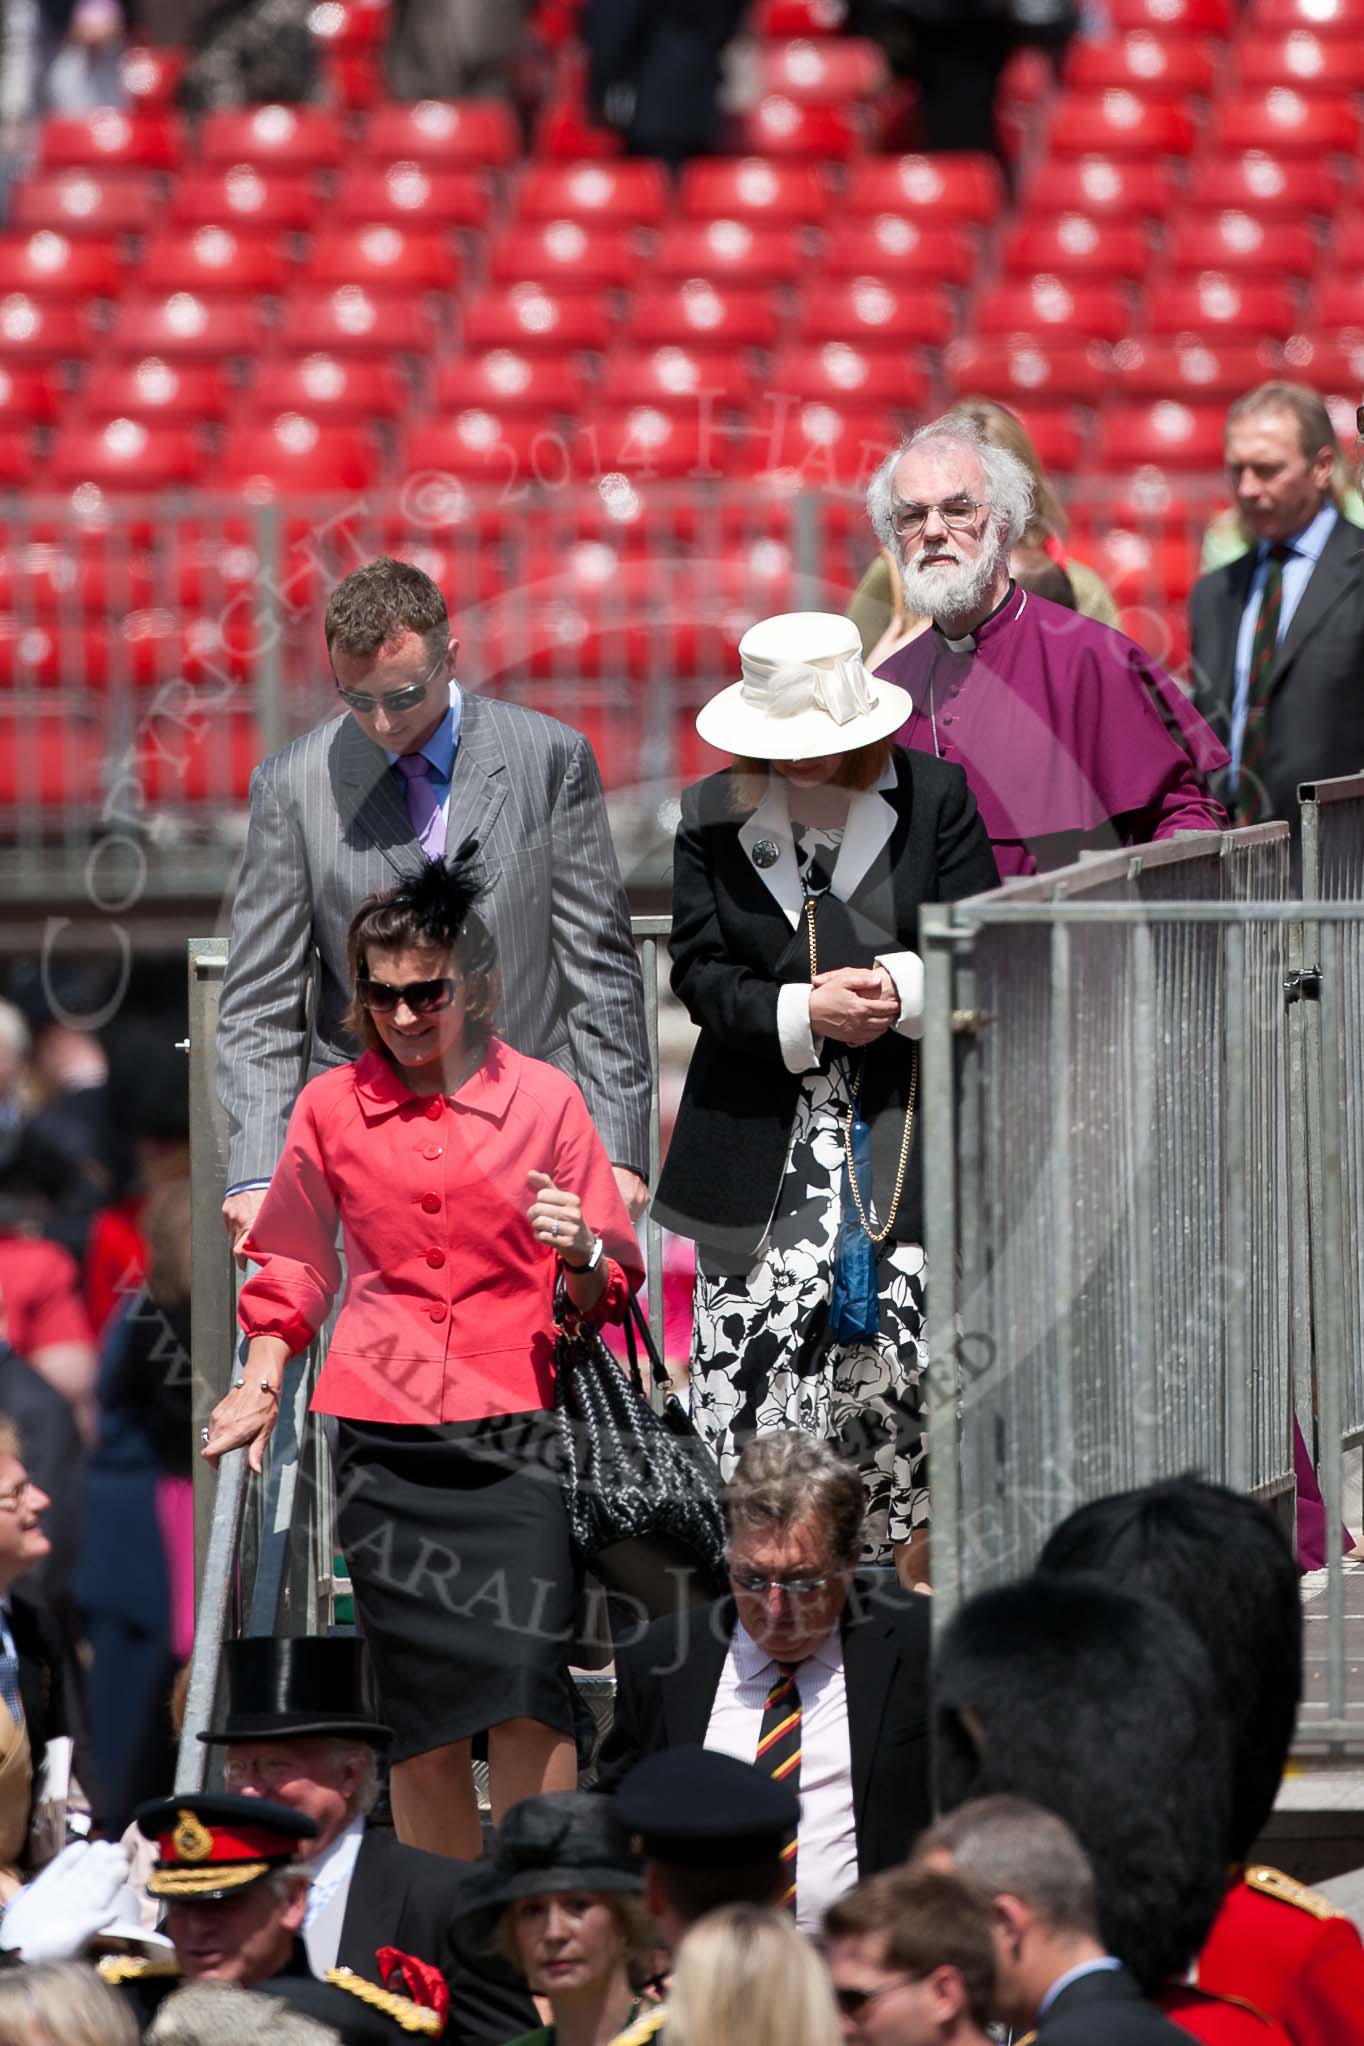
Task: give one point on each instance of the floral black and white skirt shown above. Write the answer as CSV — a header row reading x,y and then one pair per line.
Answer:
x,y
760,1357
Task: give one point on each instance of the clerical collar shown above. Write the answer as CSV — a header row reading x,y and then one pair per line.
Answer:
x,y
968,643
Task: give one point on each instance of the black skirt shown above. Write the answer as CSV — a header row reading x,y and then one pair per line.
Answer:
x,y
466,1589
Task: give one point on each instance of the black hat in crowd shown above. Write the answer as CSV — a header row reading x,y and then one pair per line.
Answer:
x,y
561,1840
283,1687
213,1846
698,1809
1100,1705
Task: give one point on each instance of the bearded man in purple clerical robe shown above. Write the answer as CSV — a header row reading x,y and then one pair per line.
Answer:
x,y
1072,737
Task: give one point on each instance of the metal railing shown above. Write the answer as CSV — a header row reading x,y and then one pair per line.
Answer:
x,y
1142,1098
264,1554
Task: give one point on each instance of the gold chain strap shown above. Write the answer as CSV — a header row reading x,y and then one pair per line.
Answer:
x,y
854,1087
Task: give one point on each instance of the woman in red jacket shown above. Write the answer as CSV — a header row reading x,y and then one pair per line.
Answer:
x,y
465,1179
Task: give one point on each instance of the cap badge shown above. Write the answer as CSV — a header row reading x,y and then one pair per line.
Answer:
x,y
765,853
191,1840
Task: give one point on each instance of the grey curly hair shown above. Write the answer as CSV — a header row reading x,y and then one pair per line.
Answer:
x,y
1011,489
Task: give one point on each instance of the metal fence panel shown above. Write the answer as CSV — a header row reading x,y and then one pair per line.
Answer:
x,y
1121,1302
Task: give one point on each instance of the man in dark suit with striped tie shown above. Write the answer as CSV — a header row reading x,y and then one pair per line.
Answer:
x,y
1277,636
416,766
810,1669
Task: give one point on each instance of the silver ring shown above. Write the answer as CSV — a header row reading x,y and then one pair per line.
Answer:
x,y
203,1435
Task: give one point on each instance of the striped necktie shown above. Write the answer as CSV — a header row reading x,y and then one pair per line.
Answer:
x,y
1264,645
779,1754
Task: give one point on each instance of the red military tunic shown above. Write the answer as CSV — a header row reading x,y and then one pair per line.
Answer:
x,y
1220,2020
1287,1950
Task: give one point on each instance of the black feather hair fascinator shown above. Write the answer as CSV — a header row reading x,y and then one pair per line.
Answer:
x,y
441,895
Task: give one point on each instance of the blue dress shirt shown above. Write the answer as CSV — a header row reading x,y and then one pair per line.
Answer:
x,y
1108,1964
440,750
1297,573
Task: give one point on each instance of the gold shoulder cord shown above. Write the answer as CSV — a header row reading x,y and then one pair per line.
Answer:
x,y
854,1089
411,2017
1272,1882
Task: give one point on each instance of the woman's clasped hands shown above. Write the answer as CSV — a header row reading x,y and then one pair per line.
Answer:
x,y
855,1004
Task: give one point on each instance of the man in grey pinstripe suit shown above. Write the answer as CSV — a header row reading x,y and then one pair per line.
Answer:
x,y
329,824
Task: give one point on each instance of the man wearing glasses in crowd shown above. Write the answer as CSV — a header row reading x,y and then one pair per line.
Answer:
x,y
811,1670
417,767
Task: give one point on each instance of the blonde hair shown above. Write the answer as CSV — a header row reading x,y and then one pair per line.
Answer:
x,y
61,2003
744,1972
1004,429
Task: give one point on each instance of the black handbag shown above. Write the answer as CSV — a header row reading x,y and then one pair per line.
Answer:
x,y
642,1489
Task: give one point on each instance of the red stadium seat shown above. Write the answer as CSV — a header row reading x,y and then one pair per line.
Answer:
x,y
183,326
476,134
78,203
1266,184
351,27
180,394
1140,567
204,758
533,317
1333,18
648,441
817,443
1028,370
1195,372
1289,122
779,126
54,761
506,379
483,444
109,139
564,134
1345,250
1153,66
733,250
355,80
1329,362
353,320
296,453
49,266
125,455
892,247
1213,300
244,197
564,256
1172,18
149,77
951,189
34,330
384,258
29,397
677,379
1169,432
751,188
1236,241
1339,303
872,314
621,194
329,388
1301,58
1119,123
701,313
283,138
16,457
823,73
1087,312
799,17
848,375
1056,437
1076,247
1103,187
412,193
213,260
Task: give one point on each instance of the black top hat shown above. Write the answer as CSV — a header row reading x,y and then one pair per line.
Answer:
x,y
283,1687
561,1840
210,1846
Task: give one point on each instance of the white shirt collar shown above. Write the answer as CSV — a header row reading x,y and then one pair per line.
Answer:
x,y
750,1660
334,1866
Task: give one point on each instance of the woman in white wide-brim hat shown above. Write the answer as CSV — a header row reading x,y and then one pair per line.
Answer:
x,y
798,876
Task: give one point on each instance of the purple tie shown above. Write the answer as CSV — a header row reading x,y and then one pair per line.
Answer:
x,y
423,804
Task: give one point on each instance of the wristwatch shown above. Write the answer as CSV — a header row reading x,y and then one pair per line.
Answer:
x,y
594,1257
